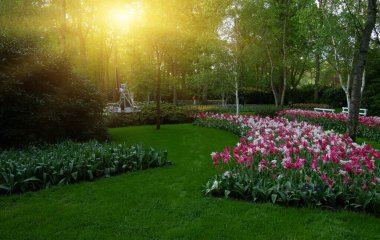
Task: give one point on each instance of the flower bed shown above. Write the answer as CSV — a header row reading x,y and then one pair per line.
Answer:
x,y
69,162
294,163
369,127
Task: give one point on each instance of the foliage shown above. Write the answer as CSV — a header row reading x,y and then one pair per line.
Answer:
x,y
309,106
197,53
369,127
304,94
251,96
147,115
295,163
42,100
333,96
181,114
371,96
68,162
267,110
259,109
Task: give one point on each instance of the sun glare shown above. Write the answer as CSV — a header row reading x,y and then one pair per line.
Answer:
x,y
125,16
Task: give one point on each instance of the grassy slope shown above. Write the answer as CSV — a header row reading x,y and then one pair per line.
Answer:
x,y
167,203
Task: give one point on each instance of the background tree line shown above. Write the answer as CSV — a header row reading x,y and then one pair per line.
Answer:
x,y
232,50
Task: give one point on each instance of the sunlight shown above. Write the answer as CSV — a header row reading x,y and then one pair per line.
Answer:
x,y
125,16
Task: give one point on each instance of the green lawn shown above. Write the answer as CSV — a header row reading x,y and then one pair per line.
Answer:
x,y
373,144
166,203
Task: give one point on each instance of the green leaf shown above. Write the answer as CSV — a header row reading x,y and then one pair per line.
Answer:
x,y
32,179
274,198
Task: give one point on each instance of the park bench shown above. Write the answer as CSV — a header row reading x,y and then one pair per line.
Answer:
x,y
362,111
323,110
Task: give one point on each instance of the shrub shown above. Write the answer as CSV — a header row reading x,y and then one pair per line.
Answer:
x,y
252,96
267,110
304,94
262,110
294,163
147,115
309,106
333,96
46,102
69,162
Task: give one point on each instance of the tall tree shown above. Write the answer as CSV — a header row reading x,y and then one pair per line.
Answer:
x,y
360,61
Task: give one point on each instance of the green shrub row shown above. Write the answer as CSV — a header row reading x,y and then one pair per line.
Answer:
x,y
147,115
258,109
309,106
69,162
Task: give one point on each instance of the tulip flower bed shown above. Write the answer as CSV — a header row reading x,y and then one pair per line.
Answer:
x,y
369,127
293,163
69,162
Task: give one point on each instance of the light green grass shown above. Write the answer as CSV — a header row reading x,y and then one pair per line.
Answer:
x,y
166,203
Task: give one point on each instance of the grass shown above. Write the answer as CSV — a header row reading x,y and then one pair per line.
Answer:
x,y
166,203
373,143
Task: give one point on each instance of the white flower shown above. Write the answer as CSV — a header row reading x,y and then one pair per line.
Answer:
x,y
215,185
342,172
226,174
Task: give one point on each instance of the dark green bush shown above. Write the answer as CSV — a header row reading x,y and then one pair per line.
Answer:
x,y
371,95
68,162
41,99
334,97
267,110
304,94
252,96
147,115
260,109
309,106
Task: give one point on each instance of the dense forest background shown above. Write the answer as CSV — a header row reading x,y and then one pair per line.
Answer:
x,y
272,51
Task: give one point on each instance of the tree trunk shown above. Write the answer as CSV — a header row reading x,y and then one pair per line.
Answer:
x,y
317,77
359,69
148,98
271,77
174,94
63,30
83,55
284,59
100,69
117,79
174,79
237,95
223,100
158,91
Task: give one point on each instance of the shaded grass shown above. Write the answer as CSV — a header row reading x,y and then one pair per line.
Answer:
x,y
373,143
166,203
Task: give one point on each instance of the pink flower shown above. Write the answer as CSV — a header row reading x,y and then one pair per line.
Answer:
x,y
314,166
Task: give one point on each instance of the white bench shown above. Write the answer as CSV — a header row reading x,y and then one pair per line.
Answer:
x,y
362,111
323,110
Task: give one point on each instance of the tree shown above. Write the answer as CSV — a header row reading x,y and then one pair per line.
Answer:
x,y
360,61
